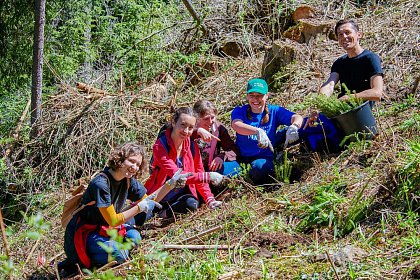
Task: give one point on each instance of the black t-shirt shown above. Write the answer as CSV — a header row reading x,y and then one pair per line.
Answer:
x,y
355,72
105,195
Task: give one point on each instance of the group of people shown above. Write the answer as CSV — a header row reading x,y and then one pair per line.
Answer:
x,y
195,152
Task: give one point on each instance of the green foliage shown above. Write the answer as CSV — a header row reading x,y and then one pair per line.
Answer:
x,y
38,226
119,242
409,178
402,106
356,142
283,170
323,209
332,106
411,124
12,105
6,266
245,168
330,208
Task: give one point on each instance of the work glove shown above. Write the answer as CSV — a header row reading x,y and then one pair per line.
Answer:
x,y
292,135
148,204
212,203
263,140
178,180
215,178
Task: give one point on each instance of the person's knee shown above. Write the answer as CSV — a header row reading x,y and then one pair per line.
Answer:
x,y
260,170
231,168
133,235
192,204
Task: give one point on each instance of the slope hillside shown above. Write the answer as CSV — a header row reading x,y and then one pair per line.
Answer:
x,y
351,215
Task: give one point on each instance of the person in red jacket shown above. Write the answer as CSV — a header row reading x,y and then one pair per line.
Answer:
x,y
173,151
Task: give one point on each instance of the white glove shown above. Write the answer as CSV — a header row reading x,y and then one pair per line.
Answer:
x,y
213,203
178,180
215,178
148,204
263,140
292,135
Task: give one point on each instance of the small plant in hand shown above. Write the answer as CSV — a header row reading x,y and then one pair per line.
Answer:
x,y
332,106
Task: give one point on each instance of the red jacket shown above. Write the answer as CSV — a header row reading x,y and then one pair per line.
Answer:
x,y
164,166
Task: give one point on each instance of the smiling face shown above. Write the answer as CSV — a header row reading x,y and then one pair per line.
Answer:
x,y
131,165
183,127
257,101
206,120
348,37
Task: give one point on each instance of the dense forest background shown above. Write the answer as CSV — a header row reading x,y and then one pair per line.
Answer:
x,y
114,70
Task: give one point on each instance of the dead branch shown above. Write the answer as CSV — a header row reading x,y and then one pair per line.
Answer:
x,y
90,89
201,234
195,247
3,233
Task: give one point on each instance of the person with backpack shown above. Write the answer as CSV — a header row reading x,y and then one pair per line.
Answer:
x,y
217,148
173,150
256,126
103,210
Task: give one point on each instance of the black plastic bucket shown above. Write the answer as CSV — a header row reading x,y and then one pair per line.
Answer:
x,y
359,120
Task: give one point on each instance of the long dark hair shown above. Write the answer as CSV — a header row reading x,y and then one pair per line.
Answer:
x,y
183,110
266,117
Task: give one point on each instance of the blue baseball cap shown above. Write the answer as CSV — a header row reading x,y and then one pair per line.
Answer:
x,y
257,85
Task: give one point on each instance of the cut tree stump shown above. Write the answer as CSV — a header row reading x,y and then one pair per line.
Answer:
x,y
308,29
303,11
281,53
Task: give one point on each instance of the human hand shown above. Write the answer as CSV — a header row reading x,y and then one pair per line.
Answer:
x,y
148,204
263,140
292,135
213,203
311,121
345,97
206,135
216,164
178,180
215,178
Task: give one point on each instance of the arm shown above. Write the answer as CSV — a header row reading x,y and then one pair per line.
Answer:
x,y
167,165
297,120
327,88
374,93
113,219
230,150
242,128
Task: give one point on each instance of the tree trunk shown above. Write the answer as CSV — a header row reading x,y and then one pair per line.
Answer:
x,y
37,61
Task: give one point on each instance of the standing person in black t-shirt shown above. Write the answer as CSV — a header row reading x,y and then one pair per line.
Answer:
x,y
359,69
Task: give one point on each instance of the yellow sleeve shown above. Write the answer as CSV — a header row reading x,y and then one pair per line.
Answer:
x,y
144,196
111,217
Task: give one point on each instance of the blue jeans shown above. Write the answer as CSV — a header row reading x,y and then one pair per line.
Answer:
x,y
100,257
324,137
260,170
230,168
